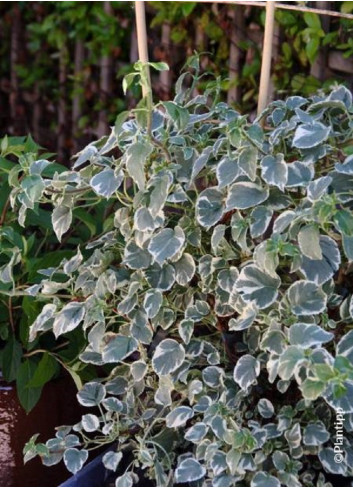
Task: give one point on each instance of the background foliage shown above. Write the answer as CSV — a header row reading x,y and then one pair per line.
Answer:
x,y
62,62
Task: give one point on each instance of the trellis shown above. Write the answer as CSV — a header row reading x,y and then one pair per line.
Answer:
x,y
270,6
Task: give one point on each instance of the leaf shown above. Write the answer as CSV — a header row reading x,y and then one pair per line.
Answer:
x,y
209,207
106,182
308,335
299,174
166,244
345,345
11,359
184,269
46,369
346,167
88,153
152,302
257,286
135,158
69,318
274,170
347,243
186,329
118,348
306,298
246,371
263,479
169,355
200,162
28,396
317,188
265,408
91,394
309,242
179,416
227,171
136,257
329,462
310,135
245,319
290,361
61,220
189,470
111,460
243,195
312,389
247,162
196,433
320,271
124,480
260,219
90,423
74,459
343,221
315,434
179,115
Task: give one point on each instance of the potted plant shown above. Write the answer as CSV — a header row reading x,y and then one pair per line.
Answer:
x,y
218,308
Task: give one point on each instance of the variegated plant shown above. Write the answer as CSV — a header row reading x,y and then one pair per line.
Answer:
x,y
218,303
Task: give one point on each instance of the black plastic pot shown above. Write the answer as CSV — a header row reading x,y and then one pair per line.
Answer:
x,y
91,475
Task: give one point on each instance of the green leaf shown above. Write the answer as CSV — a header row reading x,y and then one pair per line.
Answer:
x,y
343,221
11,359
136,157
46,369
312,389
179,115
28,396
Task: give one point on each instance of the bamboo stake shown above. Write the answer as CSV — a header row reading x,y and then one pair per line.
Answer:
x,y
283,6
142,40
266,57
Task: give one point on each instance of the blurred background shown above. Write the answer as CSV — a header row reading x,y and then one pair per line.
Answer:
x,y
62,63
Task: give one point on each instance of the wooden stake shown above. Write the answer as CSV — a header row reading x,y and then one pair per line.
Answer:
x,y
142,40
266,57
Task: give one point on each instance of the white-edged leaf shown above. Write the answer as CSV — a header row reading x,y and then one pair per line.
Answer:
x,y
209,207
111,460
118,348
274,170
329,462
166,244
136,257
227,171
264,479
260,219
90,422
290,361
189,470
317,188
310,135
179,416
345,344
152,302
106,182
315,434
186,329
306,298
200,162
74,459
196,433
184,269
136,156
245,319
257,286
247,162
69,318
309,242
246,371
61,220
265,408
169,355
320,271
91,394
308,335
243,195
